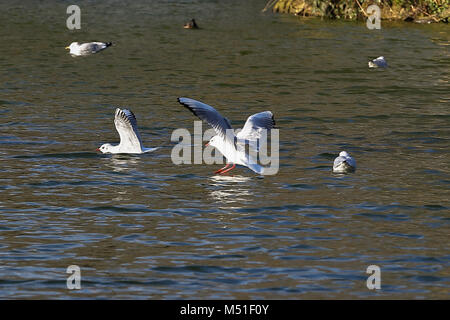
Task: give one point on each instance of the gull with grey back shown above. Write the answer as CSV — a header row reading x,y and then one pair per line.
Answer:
x,y
344,163
85,49
379,62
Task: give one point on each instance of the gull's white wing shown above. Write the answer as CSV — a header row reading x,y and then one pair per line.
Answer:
x,y
255,124
207,113
253,128
126,126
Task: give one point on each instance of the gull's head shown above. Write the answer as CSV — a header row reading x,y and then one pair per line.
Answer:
x,y
214,141
344,154
72,45
105,148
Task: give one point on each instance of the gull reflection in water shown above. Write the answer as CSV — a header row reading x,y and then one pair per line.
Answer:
x,y
123,162
230,190
122,196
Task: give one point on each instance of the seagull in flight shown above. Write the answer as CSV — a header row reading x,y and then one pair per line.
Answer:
x,y
344,163
130,140
84,49
232,145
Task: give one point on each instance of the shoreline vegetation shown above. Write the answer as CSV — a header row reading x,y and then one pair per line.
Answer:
x,y
420,11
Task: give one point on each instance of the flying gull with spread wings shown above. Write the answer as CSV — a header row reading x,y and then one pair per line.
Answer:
x,y
130,140
231,145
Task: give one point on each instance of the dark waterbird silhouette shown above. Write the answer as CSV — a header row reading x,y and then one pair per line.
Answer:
x,y
191,25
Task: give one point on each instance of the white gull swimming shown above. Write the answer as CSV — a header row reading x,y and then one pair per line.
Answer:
x,y
84,49
344,163
231,145
130,140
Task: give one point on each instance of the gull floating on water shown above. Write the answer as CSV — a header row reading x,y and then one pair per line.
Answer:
x,y
344,163
231,145
130,140
84,49
379,62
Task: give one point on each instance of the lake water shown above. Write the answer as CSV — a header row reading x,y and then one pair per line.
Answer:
x,y
140,227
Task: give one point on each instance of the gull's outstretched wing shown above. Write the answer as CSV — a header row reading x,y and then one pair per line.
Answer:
x,y
255,124
126,126
207,113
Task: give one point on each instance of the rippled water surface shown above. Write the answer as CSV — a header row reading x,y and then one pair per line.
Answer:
x,y
140,227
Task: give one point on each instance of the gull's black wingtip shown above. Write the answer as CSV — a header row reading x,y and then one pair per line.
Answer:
x,y
182,103
108,44
187,106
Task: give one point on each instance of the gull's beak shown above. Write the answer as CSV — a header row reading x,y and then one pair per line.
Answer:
x,y
67,48
206,144
98,149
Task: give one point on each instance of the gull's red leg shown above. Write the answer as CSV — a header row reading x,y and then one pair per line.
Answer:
x,y
220,170
225,171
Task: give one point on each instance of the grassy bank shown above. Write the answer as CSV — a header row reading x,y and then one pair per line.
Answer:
x,y
424,11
